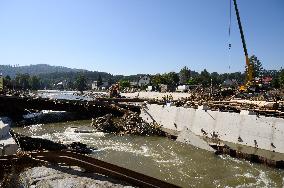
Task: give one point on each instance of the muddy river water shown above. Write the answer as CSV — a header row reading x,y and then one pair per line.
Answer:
x,y
163,158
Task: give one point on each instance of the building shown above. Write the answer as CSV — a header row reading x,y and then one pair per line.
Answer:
x,y
104,85
143,81
182,88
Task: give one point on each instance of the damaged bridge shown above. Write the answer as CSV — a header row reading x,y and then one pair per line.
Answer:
x,y
15,107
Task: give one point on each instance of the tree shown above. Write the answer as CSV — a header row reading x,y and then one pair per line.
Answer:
x,y
192,81
7,82
184,75
81,83
34,83
275,82
157,79
281,78
8,78
22,81
99,81
70,85
205,78
124,83
170,78
257,66
215,78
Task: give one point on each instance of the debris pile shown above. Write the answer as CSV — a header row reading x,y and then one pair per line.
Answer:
x,y
228,100
130,123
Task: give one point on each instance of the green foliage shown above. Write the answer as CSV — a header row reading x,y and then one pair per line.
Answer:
x,y
281,78
205,78
216,80
22,81
8,78
1,84
34,82
7,82
33,69
99,80
124,83
157,79
257,66
81,83
275,82
170,78
184,75
48,76
70,85
192,81
278,79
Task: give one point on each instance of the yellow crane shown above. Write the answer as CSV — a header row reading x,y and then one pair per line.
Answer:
x,y
249,67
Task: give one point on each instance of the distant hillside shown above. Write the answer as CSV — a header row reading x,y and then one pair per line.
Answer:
x,y
12,71
56,77
49,74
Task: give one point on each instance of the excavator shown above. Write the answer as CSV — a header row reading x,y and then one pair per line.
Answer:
x,y
249,81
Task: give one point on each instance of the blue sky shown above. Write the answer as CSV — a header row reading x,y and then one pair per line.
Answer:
x,y
140,36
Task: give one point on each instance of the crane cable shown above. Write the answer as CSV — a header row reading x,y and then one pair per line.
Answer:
x,y
229,40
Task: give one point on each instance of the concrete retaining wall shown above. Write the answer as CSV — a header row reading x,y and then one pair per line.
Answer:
x,y
241,128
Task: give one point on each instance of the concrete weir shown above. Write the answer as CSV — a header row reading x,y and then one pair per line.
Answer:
x,y
244,129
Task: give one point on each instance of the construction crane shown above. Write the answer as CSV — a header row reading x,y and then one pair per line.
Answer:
x,y
249,67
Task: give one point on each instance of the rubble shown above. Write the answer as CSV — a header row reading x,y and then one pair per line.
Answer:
x,y
130,123
227,100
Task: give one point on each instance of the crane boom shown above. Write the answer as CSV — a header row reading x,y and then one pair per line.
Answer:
x,y
249,74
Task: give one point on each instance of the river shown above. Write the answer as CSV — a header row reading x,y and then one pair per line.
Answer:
x,y
172,161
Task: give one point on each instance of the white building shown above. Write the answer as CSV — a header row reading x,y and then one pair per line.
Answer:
x,y
104,85
143,81
182,88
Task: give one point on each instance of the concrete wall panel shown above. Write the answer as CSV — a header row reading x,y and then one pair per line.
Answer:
x,y
240,128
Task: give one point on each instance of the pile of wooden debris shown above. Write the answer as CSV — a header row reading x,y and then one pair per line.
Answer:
x,y
130,123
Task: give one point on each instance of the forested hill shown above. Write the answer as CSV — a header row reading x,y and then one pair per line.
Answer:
x,y
53,74
12,71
